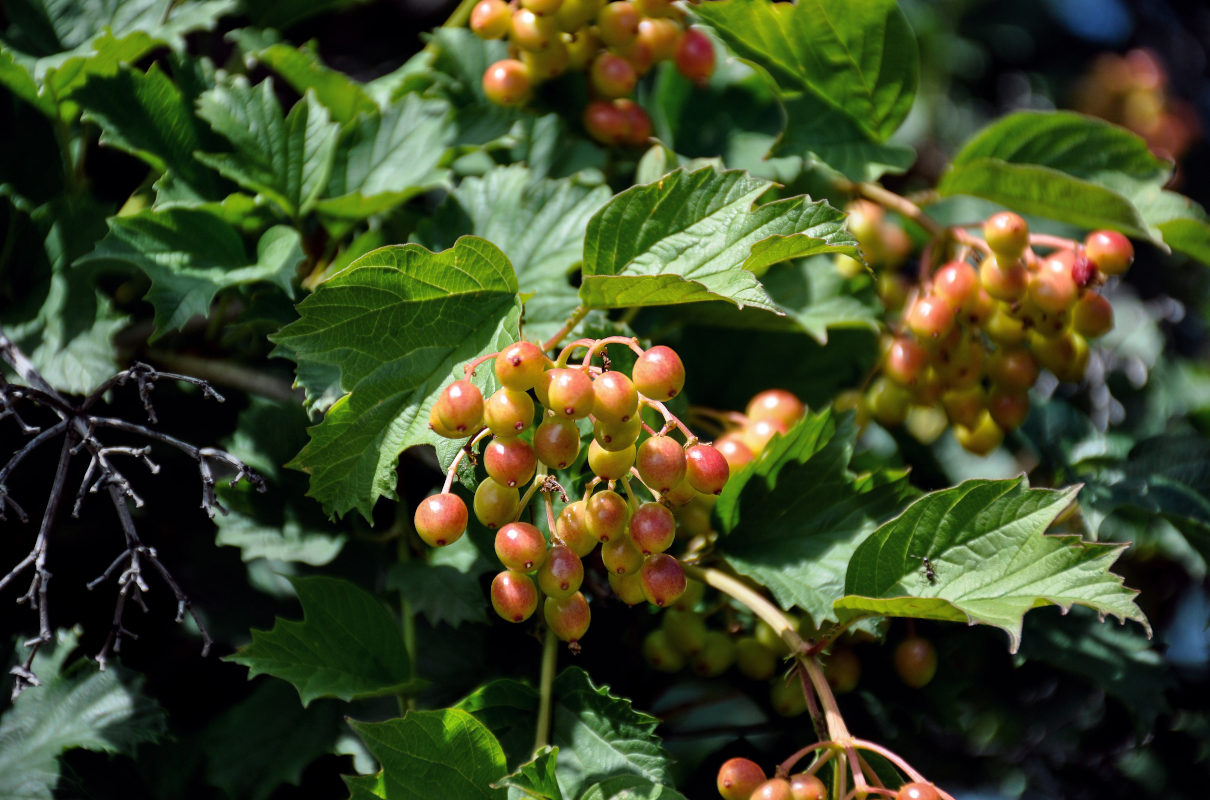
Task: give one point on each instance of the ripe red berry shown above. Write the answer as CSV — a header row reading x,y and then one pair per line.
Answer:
x,y
611,75
562,573
520,365
732,446
490,18
618,23
652,528
1092,315
905,361
758,434
807,787
495,504
510,461
1008,407
568,617
1052,288
917,791
507,82
931,317
460,407
441,519
1110,251
661,36
915,661
508,411
661,463
706,469
571,528
557,442
659,373
1003,280
775,404
663,579
1007,235
520,546
514,596
773,789
638,123
957,282
605,515
1014,368
1083,272
615,400
605,122
695,56
569,393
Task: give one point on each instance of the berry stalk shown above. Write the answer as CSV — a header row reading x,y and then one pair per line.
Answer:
x,y
550,655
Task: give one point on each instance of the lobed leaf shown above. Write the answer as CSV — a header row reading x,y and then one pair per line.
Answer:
x,y
536,777
630,787
346,646
991,559
301,67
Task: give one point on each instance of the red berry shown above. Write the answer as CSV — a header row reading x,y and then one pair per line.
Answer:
x,y
1082,270
638,124
706,469
957,282
514,596
571,528
659,373
652,528
617,437
520,365
807,787
495,504
1092,315
611,75
732,446
568,617
460,407
931,317
663,579
1003,280
917,791
510,461
1052,288
759,433
695,56
1110,251
490,18
661,463
441,519
915,661
562,573
529,31
615,400
557,442
520,546
508,411
906,361
620,556
776,404
1007,235
507,82
773,789
569,393
1008,408
605,122
605,515
1014,368
661,36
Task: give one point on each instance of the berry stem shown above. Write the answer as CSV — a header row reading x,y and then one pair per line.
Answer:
x,y
897,203
464,451
470,368
758,605
629,341
575,319
550,512
670,419
539,478
550,657
630,498
1056,242
783,769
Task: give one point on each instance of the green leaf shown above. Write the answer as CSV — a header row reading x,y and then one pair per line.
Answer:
x,y
384,159
691,237
538,223
267,740
858,56
365,787
536,777
347,645
446,587
820,132
1060,165
149,117
302,69
794,516
428,754
630,787
47,27
17,79
76,706
191,255
288,160
431,312
598,734
992,561
285,13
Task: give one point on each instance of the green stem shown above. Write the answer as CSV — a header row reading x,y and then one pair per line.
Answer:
x,y
461,15
406,613
550,658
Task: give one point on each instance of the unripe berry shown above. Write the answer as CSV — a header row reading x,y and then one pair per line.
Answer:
x,y
520,365
620,556
931,317
686,631
438,427
1003,280
842,669
610,465
661,36
716,656
694,592
611,75
957,282
776,404
557,442
905,361
693,519
1052,288
605,515
514,596
807,787
981,438
732,446
571,528
507,82
615,400
581,47
756,435
915,661
549,62
659,652
1092,315
520,546
663,579
529,31
1008,407
1110,251
917,791
786,697
1004,328
656,8
659,373
441,519
562,573
574,15
652,528
568,617
706,469
605,122
617,437
508,412
542,6
695,56
490,18
754,659
965,406
510,461
495,504
887,402
773,789
661,463
738,778
1014,369
638,55
981,307
628,588
569,393
1007,235
1066,356
961,364
618,23
460,407
925,424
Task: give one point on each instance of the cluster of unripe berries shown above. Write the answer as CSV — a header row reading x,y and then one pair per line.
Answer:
x,y
615,42
977,333
624,455
743,779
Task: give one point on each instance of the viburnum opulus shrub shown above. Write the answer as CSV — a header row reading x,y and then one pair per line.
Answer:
x,y
604,355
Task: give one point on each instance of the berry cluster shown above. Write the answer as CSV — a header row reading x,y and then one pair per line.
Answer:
x,y
743,779
633,531
973,339
615,41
